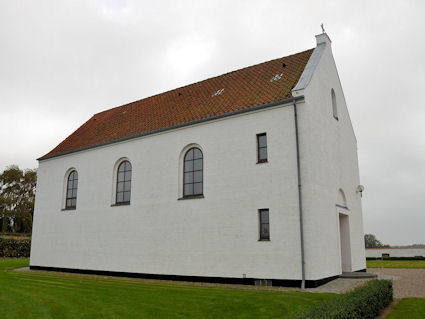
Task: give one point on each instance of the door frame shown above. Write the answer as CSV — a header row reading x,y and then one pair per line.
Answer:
x,y
344,241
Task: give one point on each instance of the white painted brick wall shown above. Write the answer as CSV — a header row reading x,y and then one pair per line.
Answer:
x,y
329,163
216,235
157,233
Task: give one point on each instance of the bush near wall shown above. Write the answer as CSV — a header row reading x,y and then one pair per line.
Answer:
x,y
396,258
15,246
365,302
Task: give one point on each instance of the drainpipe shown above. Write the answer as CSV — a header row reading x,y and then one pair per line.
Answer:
x,y
300,206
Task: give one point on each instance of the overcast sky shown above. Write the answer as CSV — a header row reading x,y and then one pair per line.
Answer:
x,y
63,61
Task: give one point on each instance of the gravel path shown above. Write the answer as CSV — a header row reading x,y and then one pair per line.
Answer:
x,y
406,282
339,285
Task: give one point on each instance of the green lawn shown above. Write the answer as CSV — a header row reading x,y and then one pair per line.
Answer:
x,y
395,263
43,295
409,308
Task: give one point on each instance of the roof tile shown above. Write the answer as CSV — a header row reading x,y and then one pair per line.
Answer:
x,y
244,88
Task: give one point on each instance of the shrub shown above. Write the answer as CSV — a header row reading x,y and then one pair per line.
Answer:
x,y
15,247
396,258
365,302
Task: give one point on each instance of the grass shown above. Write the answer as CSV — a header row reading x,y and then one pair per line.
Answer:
x,y
51,295
395,263
409,308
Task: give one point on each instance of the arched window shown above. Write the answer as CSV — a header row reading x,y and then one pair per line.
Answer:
x,y
193,172
71,190
123,191
334,105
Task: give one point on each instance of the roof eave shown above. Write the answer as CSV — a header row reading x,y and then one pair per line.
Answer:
x,y
168,128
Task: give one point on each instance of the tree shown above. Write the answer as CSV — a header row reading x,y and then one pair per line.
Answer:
x,y
17,194
371,241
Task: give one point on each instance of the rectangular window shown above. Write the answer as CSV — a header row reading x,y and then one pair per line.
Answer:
x,y
264,224
261,148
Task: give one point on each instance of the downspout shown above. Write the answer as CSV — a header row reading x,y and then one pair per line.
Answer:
x,y
300,206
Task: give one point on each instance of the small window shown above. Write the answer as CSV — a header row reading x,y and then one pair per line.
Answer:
x,y
71,190
334,105
261,148
277,77
218,92
123,191
193,167
264,224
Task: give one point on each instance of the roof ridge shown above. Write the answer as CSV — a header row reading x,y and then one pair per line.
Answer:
x,y
198,82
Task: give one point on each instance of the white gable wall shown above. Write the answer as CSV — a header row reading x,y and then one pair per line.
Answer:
x,y
159,234
328,163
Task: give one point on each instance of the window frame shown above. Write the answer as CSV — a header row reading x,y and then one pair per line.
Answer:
x,y
263,160
68,180
193,195
116,202
261,236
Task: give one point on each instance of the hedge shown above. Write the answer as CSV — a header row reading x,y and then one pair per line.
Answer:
x,y
15,247
365,302
396,258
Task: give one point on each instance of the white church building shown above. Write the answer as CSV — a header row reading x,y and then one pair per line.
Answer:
x,y
248,177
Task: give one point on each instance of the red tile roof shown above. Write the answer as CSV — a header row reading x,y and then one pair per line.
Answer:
x,y
243,89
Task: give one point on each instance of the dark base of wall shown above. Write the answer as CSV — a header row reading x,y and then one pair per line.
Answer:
x,y
361,270
224,280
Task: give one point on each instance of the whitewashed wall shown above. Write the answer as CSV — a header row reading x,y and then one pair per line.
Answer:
x,y
159,234
329,163
395,252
